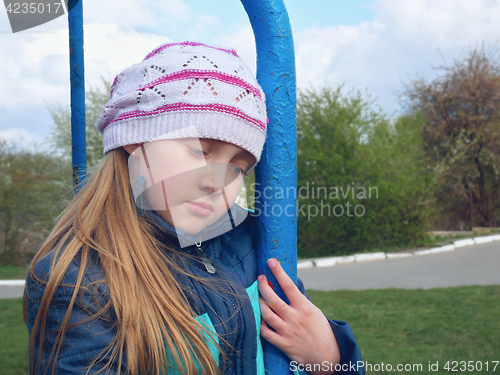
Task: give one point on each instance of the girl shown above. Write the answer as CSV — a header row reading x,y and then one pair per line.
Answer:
x,y
151,269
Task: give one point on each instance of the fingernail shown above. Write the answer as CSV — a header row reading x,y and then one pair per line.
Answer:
x,y
260,278
272,263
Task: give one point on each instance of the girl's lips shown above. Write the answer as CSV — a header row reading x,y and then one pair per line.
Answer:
x,y
200,208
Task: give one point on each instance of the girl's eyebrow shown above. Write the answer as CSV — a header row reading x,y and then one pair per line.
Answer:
x,y
205,143
242,154
194,142
246,157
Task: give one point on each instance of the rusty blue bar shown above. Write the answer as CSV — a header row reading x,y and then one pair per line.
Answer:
x,y
77,78
277,170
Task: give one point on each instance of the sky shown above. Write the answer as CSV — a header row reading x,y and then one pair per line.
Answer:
x,y
375,46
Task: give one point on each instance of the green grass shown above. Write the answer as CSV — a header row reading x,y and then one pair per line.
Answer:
x,y
458,236
13,338
13,272
393,326
417,326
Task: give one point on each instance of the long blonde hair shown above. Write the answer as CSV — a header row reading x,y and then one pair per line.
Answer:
x,y
149,303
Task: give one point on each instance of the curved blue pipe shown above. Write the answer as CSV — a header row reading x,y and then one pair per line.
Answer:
x,y
77,77
276,173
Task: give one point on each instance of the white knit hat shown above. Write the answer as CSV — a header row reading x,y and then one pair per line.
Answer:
x,y
183,90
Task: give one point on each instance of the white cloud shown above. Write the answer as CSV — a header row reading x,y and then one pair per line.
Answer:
x,y
35,63
40,71
241,39
206,24
33,67
16,134
133,13
406,39
109,49
444,22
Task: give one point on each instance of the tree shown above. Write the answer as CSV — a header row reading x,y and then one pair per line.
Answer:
x,y
96,99
373,188
462,132
30,186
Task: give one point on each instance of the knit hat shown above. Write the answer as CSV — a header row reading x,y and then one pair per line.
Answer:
x,y
184,90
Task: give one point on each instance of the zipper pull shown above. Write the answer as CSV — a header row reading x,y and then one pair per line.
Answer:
x,y
206,262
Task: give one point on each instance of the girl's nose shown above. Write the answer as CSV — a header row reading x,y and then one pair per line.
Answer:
x,y
216,179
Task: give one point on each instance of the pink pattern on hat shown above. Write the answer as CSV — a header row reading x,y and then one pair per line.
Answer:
x,y
113,86
192,107
211,74
193,44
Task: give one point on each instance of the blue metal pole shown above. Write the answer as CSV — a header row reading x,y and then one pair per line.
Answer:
x,y
77,77
276,173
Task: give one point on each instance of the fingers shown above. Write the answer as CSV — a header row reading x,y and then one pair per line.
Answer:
x,y
273,301
287,285
270,317
272,337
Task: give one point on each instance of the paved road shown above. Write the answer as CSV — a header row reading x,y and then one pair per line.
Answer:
x,y
479,264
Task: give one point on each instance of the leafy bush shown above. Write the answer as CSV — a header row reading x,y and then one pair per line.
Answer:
x,y
375,189
30,186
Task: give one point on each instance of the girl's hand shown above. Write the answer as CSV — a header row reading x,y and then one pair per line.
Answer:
x,y
301,330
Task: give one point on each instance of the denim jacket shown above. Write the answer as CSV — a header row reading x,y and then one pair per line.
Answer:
x,y
235,317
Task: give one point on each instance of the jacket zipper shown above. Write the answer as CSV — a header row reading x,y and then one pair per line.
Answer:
x,y
206,262
211,269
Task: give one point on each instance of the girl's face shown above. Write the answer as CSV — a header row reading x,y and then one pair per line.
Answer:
x,y
190,182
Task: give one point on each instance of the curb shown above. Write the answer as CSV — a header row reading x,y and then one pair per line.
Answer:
x,y
364,257
12,282
463,243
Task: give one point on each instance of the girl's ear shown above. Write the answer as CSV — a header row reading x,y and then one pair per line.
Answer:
x,y
131,148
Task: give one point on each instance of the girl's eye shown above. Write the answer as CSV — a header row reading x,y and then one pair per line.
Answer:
x,y
237,170
197,151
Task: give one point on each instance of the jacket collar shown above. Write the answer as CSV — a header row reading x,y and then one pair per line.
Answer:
x,y
184,239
